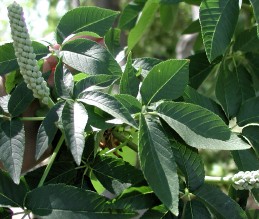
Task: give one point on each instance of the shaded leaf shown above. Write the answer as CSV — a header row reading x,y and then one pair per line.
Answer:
x,y
157,162
20,99
11,194
12,143
255,6
158,212
115,174
252,132
89,57
194,27
145,64
196,210
112,41
93,19
62,201
168,75
218,19
219,203
74,120
108,104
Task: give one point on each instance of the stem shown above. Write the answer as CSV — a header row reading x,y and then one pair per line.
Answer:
x,y
218,179
32,118
117,148
50,103
51,161
122,138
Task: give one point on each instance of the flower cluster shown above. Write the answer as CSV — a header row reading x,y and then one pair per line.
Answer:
x,y
246,180
25,55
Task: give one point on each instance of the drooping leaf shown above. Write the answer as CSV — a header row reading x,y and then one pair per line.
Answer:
x,y
130,15
247,41
190,163
206,139
192,96
129,83
108,104
112,41
252,132
94,82
74,120
89,57
144,21
12,141
20,99
219,203
48,129
11,194
129,102
93,19
64,82
218,19
157,162
8,61
63,201
199,69
233,87
249,112
115,174
196,210
255,6
136,198
145,65
171,75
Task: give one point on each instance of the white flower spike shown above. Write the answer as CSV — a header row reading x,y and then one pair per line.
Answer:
x,y
246,180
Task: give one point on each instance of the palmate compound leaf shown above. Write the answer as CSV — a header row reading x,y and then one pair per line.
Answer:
x,y
166,80
94,19
219,203
12,141
157,162
89,57
218,19
108,104
63,201
199,127
74,120
115,174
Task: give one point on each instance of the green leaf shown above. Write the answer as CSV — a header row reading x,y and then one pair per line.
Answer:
x,y
136,198
168,15
157,162
192,96
249,112
93,19
218,20
12,141
94,82
158,212
6,213
196,210
11,80
48,129
198,119
64,82
129,83
112,41
219,203
246,160
190,163
89,57
251,132
115,174
11,194
130,15
8,61
247,41
194,27
145,65
168,75
199,69
129,102
62,201
108,104
195,125
193,2
255,6
170,1
74,120
234,86
144,21
20,99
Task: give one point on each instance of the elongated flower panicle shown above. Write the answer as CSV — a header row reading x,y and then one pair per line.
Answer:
x,y
25,55
246,180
